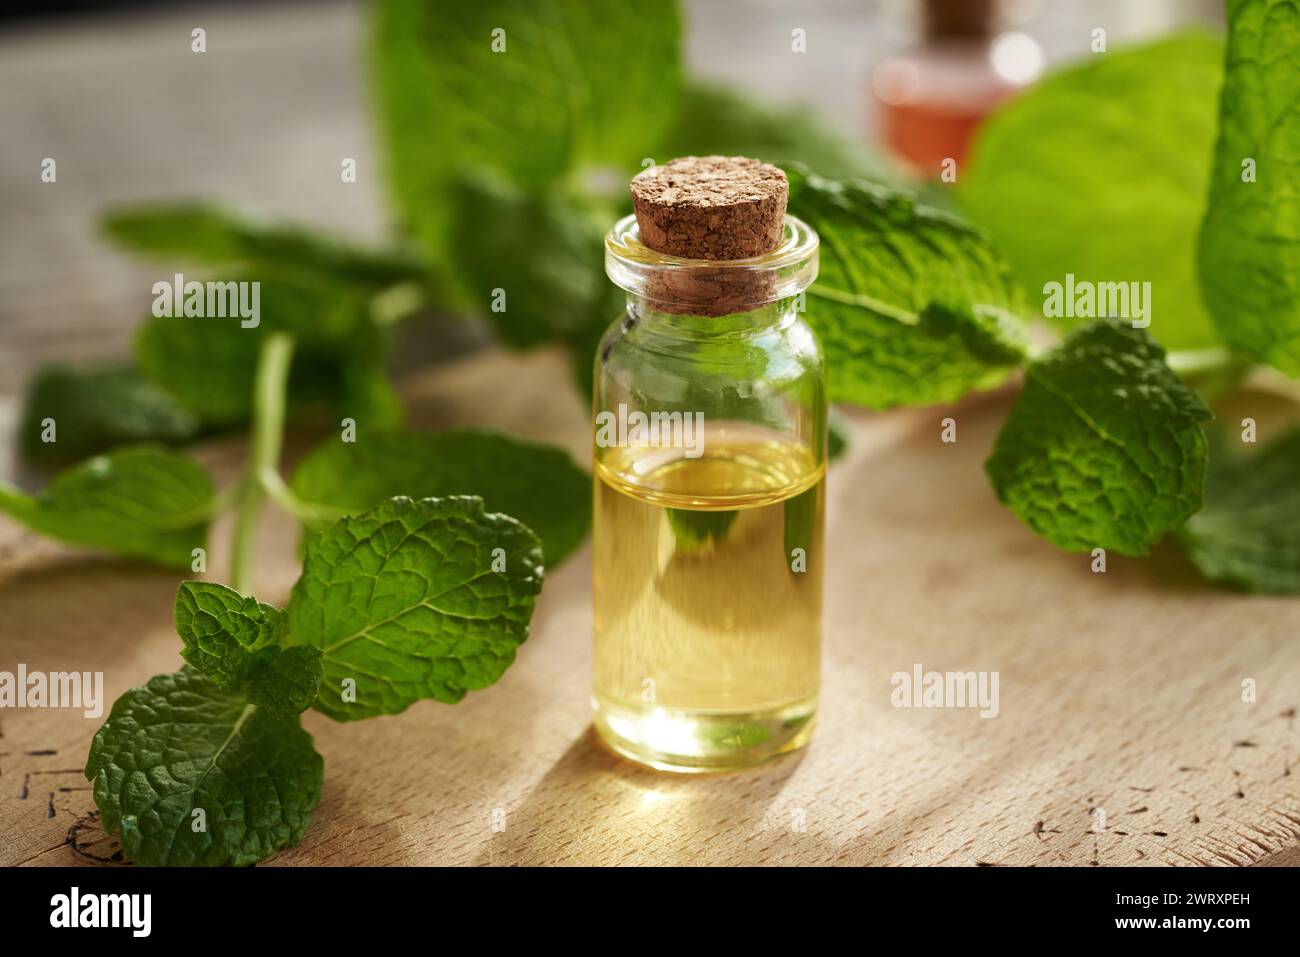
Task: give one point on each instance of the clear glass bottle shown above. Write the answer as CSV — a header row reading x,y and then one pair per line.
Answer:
x,y
707,547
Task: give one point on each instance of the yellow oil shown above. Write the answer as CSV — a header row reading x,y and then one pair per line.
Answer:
x,y
708,599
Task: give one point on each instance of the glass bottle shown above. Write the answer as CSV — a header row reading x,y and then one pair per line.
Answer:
x,y
933,96
708,528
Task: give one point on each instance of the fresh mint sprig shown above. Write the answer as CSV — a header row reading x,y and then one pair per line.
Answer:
x,y
186,773
412,600
1116,194
1103,448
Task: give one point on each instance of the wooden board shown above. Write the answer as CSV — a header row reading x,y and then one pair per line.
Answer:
x,y
1119,691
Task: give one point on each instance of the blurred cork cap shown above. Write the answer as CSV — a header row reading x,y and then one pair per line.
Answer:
x,y
711,207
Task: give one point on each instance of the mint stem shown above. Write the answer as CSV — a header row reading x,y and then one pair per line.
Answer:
x,y
270,386
309,513
1193,362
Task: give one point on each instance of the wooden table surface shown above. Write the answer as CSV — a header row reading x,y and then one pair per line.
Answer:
x,y
1119,691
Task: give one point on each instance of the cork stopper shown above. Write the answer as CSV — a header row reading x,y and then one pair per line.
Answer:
x,y
718,208
711,207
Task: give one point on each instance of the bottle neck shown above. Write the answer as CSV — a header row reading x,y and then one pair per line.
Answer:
x,y
969,20
708,299
647,317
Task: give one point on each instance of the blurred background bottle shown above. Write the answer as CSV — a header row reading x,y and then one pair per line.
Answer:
x,y
931,97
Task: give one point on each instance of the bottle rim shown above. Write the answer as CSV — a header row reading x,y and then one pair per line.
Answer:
x,y
785,271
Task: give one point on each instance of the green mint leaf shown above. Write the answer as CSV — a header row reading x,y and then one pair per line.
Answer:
x,y
912,305
285,681
223,631
237,642
1248,532
538,484
1104,447
406,603
532,92
97,408
182,745
1101,172
545,255
208,363
716,120
139,502
1249,260
209,234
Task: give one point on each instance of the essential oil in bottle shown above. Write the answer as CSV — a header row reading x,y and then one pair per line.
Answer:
x,y
710,417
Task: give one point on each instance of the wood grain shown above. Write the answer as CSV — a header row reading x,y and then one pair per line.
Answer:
x,y
1119,691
